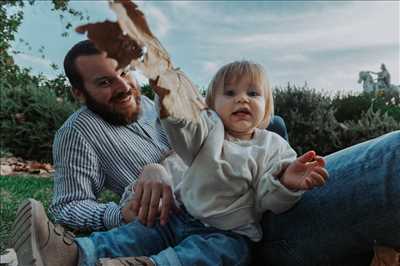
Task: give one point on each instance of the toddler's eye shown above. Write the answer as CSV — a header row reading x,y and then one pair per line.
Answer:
x,y
253,93
229,92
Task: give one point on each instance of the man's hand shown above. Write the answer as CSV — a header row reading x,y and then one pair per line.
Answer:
x,y
152,198
306,172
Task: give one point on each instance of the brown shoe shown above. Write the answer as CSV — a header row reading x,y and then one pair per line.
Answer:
x,y
38,242
125,261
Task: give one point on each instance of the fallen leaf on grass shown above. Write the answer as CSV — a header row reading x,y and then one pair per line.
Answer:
x,y
14,166
5,169
43,166
386,256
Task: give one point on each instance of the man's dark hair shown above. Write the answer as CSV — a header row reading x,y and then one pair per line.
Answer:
x,y
85,47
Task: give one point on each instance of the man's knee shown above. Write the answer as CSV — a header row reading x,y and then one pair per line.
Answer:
x,y
278,126
392,138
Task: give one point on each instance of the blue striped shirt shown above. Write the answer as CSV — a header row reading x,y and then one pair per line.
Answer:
x,y
90,154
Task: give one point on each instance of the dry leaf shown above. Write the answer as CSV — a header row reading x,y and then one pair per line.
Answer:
x,y
43,166
385,256
17,166
184,101
108,37
5,169
132,21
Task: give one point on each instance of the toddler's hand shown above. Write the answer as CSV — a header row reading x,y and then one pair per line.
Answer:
x,y
306,172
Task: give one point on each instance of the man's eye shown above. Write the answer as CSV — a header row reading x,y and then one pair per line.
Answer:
x,y
104,83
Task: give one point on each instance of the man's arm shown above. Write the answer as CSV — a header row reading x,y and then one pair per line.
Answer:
x,y
78,181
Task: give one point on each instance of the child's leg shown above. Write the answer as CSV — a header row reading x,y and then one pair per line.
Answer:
x,y
201,245
207,249
133,239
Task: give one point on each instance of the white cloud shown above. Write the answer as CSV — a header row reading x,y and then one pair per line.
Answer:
x,y
159,22
324,42
27,59
37,64
210,67
292,58
362,25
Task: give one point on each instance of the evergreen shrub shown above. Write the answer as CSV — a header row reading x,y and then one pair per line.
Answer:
x,y
30,114
310,119
318,122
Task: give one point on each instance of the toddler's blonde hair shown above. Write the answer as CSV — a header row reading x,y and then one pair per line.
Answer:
x,y
234,72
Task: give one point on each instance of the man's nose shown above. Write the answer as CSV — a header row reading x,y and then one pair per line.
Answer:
x,y
122,84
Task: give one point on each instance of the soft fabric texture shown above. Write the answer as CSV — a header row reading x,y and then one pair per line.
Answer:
x,y
183,241
90,154
231,182
341,222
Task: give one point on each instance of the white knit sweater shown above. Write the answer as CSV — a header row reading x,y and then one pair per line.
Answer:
x,y
230,182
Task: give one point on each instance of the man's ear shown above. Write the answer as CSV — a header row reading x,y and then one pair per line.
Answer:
x,y
78,95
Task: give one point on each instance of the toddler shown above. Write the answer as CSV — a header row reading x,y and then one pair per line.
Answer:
x,y
236,171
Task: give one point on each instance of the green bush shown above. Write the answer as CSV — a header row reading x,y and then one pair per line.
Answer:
x,y
371,124
318,122
387,102
30,114
352,107
309,117
147,91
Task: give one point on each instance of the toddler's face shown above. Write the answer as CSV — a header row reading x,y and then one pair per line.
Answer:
x,y
241,106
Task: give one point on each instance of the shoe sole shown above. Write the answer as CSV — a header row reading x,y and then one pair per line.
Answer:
x,y
23,235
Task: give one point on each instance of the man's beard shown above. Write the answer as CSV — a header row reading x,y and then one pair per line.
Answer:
x,y
113,116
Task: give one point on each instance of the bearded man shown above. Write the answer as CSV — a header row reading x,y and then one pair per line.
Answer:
x,y
116,133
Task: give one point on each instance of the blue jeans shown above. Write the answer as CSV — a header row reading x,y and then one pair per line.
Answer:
x,y
339,223
277,125
182,241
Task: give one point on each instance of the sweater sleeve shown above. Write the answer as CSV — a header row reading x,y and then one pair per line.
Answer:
x,y
270,193
78,181
185,137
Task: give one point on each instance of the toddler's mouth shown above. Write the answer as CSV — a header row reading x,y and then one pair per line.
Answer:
x,y
242,111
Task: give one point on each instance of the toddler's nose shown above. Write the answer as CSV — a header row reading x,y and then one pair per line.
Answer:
x,y
242,98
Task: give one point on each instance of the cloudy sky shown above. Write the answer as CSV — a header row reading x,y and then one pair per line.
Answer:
x,y
325,43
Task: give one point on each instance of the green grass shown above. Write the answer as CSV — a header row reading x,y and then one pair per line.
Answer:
x,y
15,189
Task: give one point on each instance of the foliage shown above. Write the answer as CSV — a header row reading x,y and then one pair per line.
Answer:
x,y
30,114
32,107
371,124
352,107
147,91
317,122
309,117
